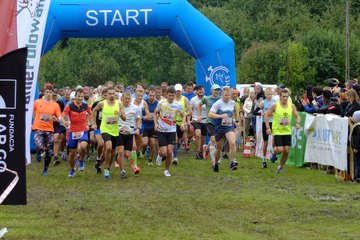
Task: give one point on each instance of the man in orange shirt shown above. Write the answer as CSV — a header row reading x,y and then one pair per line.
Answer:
x,y
46,111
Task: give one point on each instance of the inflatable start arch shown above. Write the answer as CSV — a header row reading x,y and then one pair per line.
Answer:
x,y
177,19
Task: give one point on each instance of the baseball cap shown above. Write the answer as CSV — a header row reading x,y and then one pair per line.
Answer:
x,y
178,87
356,116
215,86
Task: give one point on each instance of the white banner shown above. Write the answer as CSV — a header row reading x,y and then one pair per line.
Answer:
x,y
31,22
259,140
326,140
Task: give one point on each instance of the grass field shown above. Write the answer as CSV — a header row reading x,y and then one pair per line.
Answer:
x,y
195,203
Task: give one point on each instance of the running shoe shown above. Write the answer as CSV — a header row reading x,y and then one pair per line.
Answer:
x,y
206,151
167,173
38,156
81,165
63,156
150,163
175,161
56,161
98,168
232,166
216,167
123,175
225,156
136,170
264,165
44,173
273,158
235,162
72,173
280,169
187,146
106,174
197,156
158,160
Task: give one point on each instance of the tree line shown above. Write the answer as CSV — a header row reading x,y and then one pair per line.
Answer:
x,y
295,42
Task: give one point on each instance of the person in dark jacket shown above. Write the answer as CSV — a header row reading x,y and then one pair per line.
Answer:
x,y
355,144
311,105
354,103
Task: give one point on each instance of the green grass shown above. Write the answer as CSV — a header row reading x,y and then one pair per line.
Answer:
x,y
195,203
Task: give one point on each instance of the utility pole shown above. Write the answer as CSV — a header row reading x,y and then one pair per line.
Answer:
x,y
347,42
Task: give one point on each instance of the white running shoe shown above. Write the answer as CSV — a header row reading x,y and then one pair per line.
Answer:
x,y
166,173
158,160
175,161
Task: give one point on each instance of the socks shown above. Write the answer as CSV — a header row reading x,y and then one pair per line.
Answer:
x,y
176,148
212,152
134,158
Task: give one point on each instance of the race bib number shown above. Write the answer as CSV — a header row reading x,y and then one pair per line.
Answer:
x,y
124,130
227,122
77,135
152,115
284,122
111,120
45,117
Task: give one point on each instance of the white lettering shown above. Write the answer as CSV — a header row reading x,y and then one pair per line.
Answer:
x,y
96,21
3,154
146,14
3,167
133,17
117,17
105,15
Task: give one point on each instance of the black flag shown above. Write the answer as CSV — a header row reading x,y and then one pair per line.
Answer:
x,y
12,127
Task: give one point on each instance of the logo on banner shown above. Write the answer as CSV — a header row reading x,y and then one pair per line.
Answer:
x,y
218,75
7,94
30,5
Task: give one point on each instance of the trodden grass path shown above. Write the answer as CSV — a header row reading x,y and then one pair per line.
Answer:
x,y
195,203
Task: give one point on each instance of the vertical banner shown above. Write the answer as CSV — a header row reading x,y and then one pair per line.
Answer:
x,y
326,140
31,19
12,127
298,143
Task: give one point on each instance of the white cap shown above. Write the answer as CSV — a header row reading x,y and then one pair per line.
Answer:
x,y
178,87
356,116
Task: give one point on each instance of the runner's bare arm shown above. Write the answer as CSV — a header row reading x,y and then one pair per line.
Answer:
x,y
147,112
156,115
297,116
199,110
266,118
122,111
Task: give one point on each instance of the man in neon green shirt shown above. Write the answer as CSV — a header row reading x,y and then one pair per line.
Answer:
x,y
281,112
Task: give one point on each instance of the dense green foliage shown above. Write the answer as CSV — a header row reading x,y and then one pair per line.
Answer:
x,y
297,42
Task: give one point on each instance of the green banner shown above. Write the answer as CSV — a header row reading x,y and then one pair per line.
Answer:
x,y
298,143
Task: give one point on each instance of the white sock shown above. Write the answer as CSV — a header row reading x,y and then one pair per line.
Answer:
x,y
212,152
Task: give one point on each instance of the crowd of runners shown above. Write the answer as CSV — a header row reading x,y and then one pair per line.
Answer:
x,y
124,124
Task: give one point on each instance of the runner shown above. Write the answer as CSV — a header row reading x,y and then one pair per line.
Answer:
x,y
110,109
210,123
130,125
100,157
76,115
199,121
149,134
282,112
46,112
264,106
165,125
181,133
223,112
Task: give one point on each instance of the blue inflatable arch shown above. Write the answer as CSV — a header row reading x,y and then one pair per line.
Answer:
x,y
177,19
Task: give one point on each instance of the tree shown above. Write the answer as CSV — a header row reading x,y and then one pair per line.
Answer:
x,y
295,71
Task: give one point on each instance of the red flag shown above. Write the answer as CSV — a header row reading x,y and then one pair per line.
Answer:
x,y
8,32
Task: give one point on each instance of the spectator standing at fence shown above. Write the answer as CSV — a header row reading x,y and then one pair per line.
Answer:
x,y
312,105
247,113
354,103
355,143
281,112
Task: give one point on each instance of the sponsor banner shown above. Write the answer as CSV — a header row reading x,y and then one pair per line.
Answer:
x,y
31,21
298,142
326,140
12,127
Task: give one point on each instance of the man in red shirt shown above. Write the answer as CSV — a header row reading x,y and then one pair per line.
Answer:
x,y
46,111
76,115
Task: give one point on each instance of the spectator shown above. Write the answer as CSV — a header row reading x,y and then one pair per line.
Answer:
x,y
355,144
326,102
248,105
354,103
311,106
